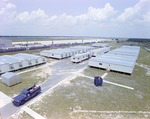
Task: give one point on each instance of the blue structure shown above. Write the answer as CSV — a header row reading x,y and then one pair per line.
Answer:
x,y
98,81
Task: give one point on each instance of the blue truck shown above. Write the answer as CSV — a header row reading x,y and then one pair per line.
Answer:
x,y
26,94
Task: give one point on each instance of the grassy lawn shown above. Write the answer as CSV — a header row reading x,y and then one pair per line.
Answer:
x,y
28,79
21,115
81,94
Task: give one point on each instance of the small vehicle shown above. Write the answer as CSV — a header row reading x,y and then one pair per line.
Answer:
x,y
26,94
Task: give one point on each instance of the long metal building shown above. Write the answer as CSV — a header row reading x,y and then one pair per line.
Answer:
x,y
100,45
120,60
99,51
80,57
114,64
19,61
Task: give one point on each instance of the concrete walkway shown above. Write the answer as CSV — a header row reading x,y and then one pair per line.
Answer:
x,y
5,98
32,113
106,81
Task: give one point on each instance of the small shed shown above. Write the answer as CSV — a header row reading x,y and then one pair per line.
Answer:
x,y
10,78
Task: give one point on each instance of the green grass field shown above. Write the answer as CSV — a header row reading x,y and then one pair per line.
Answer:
x,y
81,94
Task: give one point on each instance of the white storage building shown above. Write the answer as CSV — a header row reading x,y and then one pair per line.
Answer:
x,y
100,45
82,49
114,64
131,47
126,52
32,59
80,57
54,54
19,61
10,78
99,51
4,67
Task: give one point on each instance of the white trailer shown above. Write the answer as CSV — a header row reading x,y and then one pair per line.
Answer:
x,y
67,52
100,45
72,52
45,53
4,67
119,65
131,47
118,57
8,60
80,57
99,51
82,49
33,59
123,54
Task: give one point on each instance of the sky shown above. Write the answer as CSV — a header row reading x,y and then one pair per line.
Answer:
x,y
97,18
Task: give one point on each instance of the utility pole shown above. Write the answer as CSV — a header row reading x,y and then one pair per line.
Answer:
x,y
27,45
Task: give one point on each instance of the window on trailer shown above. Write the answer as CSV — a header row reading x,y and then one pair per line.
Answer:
x,y
100,63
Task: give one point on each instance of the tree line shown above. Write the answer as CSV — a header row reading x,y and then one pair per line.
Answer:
x,y
139,40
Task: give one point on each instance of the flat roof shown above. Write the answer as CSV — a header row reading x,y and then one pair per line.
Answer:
x,y
113,55
122,53
25,56
9,59
126,50
117,58
114,61
100,49
78,55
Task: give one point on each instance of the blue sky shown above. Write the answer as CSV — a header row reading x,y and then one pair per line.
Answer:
x,y
102,18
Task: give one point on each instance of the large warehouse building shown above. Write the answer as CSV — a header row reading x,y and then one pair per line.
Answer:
x,y
119,60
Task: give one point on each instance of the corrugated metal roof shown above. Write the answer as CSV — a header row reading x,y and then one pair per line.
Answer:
x,y
126,51
78,55
122,53
100,49
113,61
24,57
118,57
134,47
9,59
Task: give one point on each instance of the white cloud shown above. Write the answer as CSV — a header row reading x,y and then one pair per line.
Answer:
x,y
10,6
134,12
98,13
26,16
147,17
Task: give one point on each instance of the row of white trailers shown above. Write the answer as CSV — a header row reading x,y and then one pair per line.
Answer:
x,y
19,61
120,60
61,53
100,45
93,53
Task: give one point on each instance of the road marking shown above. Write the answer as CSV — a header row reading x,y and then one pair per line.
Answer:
x,y
32,113
112,112
106,81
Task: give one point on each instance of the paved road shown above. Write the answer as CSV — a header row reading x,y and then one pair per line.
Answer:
x,y
60,71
